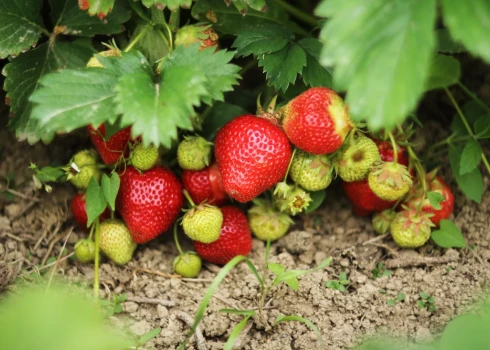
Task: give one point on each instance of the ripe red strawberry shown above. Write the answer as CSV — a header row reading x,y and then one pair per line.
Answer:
x,y
205,185
253,154
435,183
112,149
149,203
79,211
317,121
235,238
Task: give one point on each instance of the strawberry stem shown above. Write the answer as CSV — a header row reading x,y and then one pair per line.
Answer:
x,y
176,239
92,227
289,165
393,145
138,37
473,96
188,197
96,263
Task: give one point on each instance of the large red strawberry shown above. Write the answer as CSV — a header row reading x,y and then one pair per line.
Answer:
x,y
235,238
363,199
150,202
253,154
79,211
317,121
205,185
112,149
436,184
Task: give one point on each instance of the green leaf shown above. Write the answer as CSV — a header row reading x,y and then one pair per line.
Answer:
x,y
22,79
470,158
21,27
145,338
283,66
171,4
424,295
221,113
235,333
74,98
96,202
292,283
435,198
311,325
276,268
317,198
110,187
381,51
448,236
70,20
444,72
400,296
314,74
482,127
390,302
153,44
471,183
49,174
261,39
472,111
420,304
446,44
290,274
469,22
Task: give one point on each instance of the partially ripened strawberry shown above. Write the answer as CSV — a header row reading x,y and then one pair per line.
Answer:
x,y
253,154
235,238
389,180
195,33
312,172
150,202
116,242
357,159
79,211
187,264
317,121
144,158
112,149
435,184
203,223
81,168
266,222
85,250
410,228
194,153
205,185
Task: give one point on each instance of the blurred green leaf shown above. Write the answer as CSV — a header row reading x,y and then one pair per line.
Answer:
x,y
471,183
317,198
444,71
446,44
220,114
145,338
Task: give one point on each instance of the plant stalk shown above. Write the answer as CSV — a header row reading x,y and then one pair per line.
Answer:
x,y
138,37
96,263
179,249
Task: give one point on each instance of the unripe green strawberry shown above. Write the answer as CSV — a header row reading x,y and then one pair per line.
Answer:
x,y
410,228
267,223
85,250
144,158
116,242
389,180
95,63
194,153
382,221
81,168
312,172
203,223
187,264
357,159
296,201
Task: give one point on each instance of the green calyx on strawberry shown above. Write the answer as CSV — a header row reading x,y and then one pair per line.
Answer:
x,y
266,222
116,242
389,181
95,63
85,250
235,238
253,154
357,159
187,264
81,168
149,202
291,200
383,220
194,153
317,121
197,33
205,185
112,149
144,158
311,172
411,228
203,223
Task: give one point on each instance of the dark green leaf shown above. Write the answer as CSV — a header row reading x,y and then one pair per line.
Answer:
x,y
444,71
261,39
110,187
317,199
472,183
21,25
153,44
171,4
220,114
96,202
22,79
482,127
448,236
470,158
314,74
472,111
446,44
469,22
435,199
381,51
283,66
145,338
